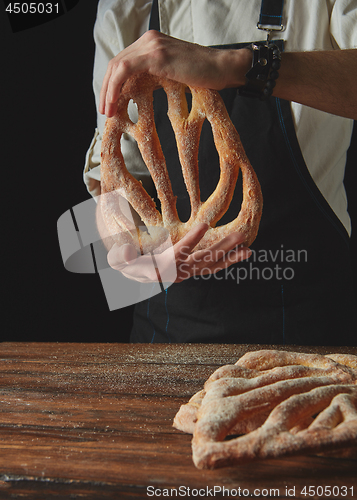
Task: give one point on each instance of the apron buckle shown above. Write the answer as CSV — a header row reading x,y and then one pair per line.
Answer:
x,y
269,28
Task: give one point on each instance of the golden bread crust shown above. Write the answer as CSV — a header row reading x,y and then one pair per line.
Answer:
x,y
117,181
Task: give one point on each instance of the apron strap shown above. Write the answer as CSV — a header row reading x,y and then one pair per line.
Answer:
x,y
154,23
270,18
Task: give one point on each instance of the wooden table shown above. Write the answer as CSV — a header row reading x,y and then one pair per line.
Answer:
x,y
94,421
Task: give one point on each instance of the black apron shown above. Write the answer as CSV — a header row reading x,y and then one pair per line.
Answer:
x,y
296,288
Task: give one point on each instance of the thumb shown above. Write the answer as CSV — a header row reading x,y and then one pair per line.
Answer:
x,y
120,256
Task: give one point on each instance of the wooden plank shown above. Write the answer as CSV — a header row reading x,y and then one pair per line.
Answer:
x,y
146,353
141,459
105,377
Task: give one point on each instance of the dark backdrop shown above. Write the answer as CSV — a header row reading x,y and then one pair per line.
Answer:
x,y
48,120
48,117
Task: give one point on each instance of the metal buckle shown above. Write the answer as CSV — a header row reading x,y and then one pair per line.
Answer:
x,y
269,28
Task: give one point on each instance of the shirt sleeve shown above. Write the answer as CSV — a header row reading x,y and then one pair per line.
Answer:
x,y
343,24
119,23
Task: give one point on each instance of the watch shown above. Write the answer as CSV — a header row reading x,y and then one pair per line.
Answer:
x,y
264,71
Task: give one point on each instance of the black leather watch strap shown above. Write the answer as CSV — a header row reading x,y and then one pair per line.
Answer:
x,y
266,61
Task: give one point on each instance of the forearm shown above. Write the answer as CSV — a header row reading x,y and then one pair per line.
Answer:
x,y
323,80
320,79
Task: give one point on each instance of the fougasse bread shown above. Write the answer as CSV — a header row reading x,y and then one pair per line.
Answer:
x,y
278,403
118,184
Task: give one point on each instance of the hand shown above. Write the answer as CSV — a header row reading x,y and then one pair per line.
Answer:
x,y
169,57
200,263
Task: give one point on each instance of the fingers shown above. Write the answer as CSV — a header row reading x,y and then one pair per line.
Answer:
x,y
212,260
103,92
185,246
118,73
232,257
218,251
121,256
133,59
110,91
179,263
111,86
142,268
163,55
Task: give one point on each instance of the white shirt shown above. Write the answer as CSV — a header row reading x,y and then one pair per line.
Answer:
x,y
309,25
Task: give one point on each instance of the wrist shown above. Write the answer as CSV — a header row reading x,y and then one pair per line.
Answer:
x,y
237,62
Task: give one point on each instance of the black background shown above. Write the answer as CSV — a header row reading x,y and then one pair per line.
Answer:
x,y
48,117
48,121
